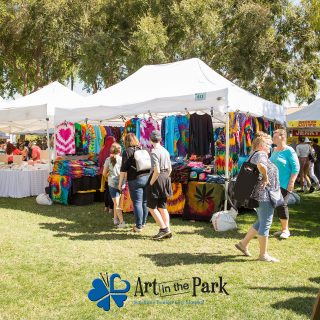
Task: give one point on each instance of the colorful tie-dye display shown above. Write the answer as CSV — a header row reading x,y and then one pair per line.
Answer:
x,y
176,203
202,200
146,127
65,139
183,123
59,186
75,168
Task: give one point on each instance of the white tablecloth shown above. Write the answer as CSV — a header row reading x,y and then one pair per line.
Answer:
x,y
20,184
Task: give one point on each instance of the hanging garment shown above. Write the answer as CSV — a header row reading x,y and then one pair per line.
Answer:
x,y
171,135
163,131
78,139
59,187
98,139
175,203
90,137
146,127
65,139
133,126
201,135
85,142
183,140
103,136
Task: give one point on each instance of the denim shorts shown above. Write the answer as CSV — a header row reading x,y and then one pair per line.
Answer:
x,y
114,193
265,216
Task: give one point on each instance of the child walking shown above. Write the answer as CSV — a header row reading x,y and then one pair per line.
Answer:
x,y
111,170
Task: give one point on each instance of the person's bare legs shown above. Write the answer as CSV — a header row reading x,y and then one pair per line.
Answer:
x,y
263,244
165,217
117,212
284,224
158,218
249,236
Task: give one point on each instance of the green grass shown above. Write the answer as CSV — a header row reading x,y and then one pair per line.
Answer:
x,y
50,255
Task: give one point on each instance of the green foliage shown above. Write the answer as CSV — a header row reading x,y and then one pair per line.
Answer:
x,y
269,47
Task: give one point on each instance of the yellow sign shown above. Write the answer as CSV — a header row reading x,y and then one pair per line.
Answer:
x,y
304,124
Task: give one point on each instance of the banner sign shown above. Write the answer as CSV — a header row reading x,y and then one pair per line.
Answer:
x,y
305,133
304,124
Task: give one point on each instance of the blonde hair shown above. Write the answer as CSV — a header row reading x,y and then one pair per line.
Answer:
x,y
131,140
260,137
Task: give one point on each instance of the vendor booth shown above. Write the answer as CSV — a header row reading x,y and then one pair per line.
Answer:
x,y
194,106
305,122
30,114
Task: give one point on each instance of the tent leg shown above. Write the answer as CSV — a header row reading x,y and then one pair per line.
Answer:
x,y
54,144
48,145
226,184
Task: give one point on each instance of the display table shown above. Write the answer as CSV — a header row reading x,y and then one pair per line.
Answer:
x,y
202,200
20,182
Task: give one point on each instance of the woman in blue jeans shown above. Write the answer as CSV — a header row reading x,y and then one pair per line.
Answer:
x,y
137,181
270,179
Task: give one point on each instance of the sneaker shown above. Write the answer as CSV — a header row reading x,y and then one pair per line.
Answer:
x,y
285,235
267,258
106,209
311,189
277,233
317,188
115,221
245,251
162,235
136,229
121,225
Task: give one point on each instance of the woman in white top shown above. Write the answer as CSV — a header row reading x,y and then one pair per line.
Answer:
x,y
303,150
111,170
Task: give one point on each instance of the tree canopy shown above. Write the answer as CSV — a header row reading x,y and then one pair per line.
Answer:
x,y
269,47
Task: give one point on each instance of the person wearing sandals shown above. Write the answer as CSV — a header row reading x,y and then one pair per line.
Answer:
x,y
112,171
287,162
137,181
261,146
159,187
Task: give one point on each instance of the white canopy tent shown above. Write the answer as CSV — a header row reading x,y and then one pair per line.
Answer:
x,y
172,87
36,111
307,118
175,87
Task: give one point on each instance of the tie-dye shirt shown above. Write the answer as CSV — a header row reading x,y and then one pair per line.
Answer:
x,y
146,127
65,139
133,126
172,135
183,140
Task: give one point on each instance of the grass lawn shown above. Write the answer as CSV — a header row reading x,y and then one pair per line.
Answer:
x,y
49,257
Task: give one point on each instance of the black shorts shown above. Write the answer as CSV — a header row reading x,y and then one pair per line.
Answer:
x,y
154,203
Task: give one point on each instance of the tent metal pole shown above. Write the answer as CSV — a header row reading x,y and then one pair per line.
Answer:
x,y
54,143
227,161
48,145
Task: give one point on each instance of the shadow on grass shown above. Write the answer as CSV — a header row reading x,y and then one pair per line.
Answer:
x,y
91,223
300,305
173,259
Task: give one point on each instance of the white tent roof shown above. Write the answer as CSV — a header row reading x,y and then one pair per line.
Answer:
x,y
308,113
29,113
172,87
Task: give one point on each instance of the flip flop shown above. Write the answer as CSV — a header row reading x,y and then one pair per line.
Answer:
x,y
243,250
